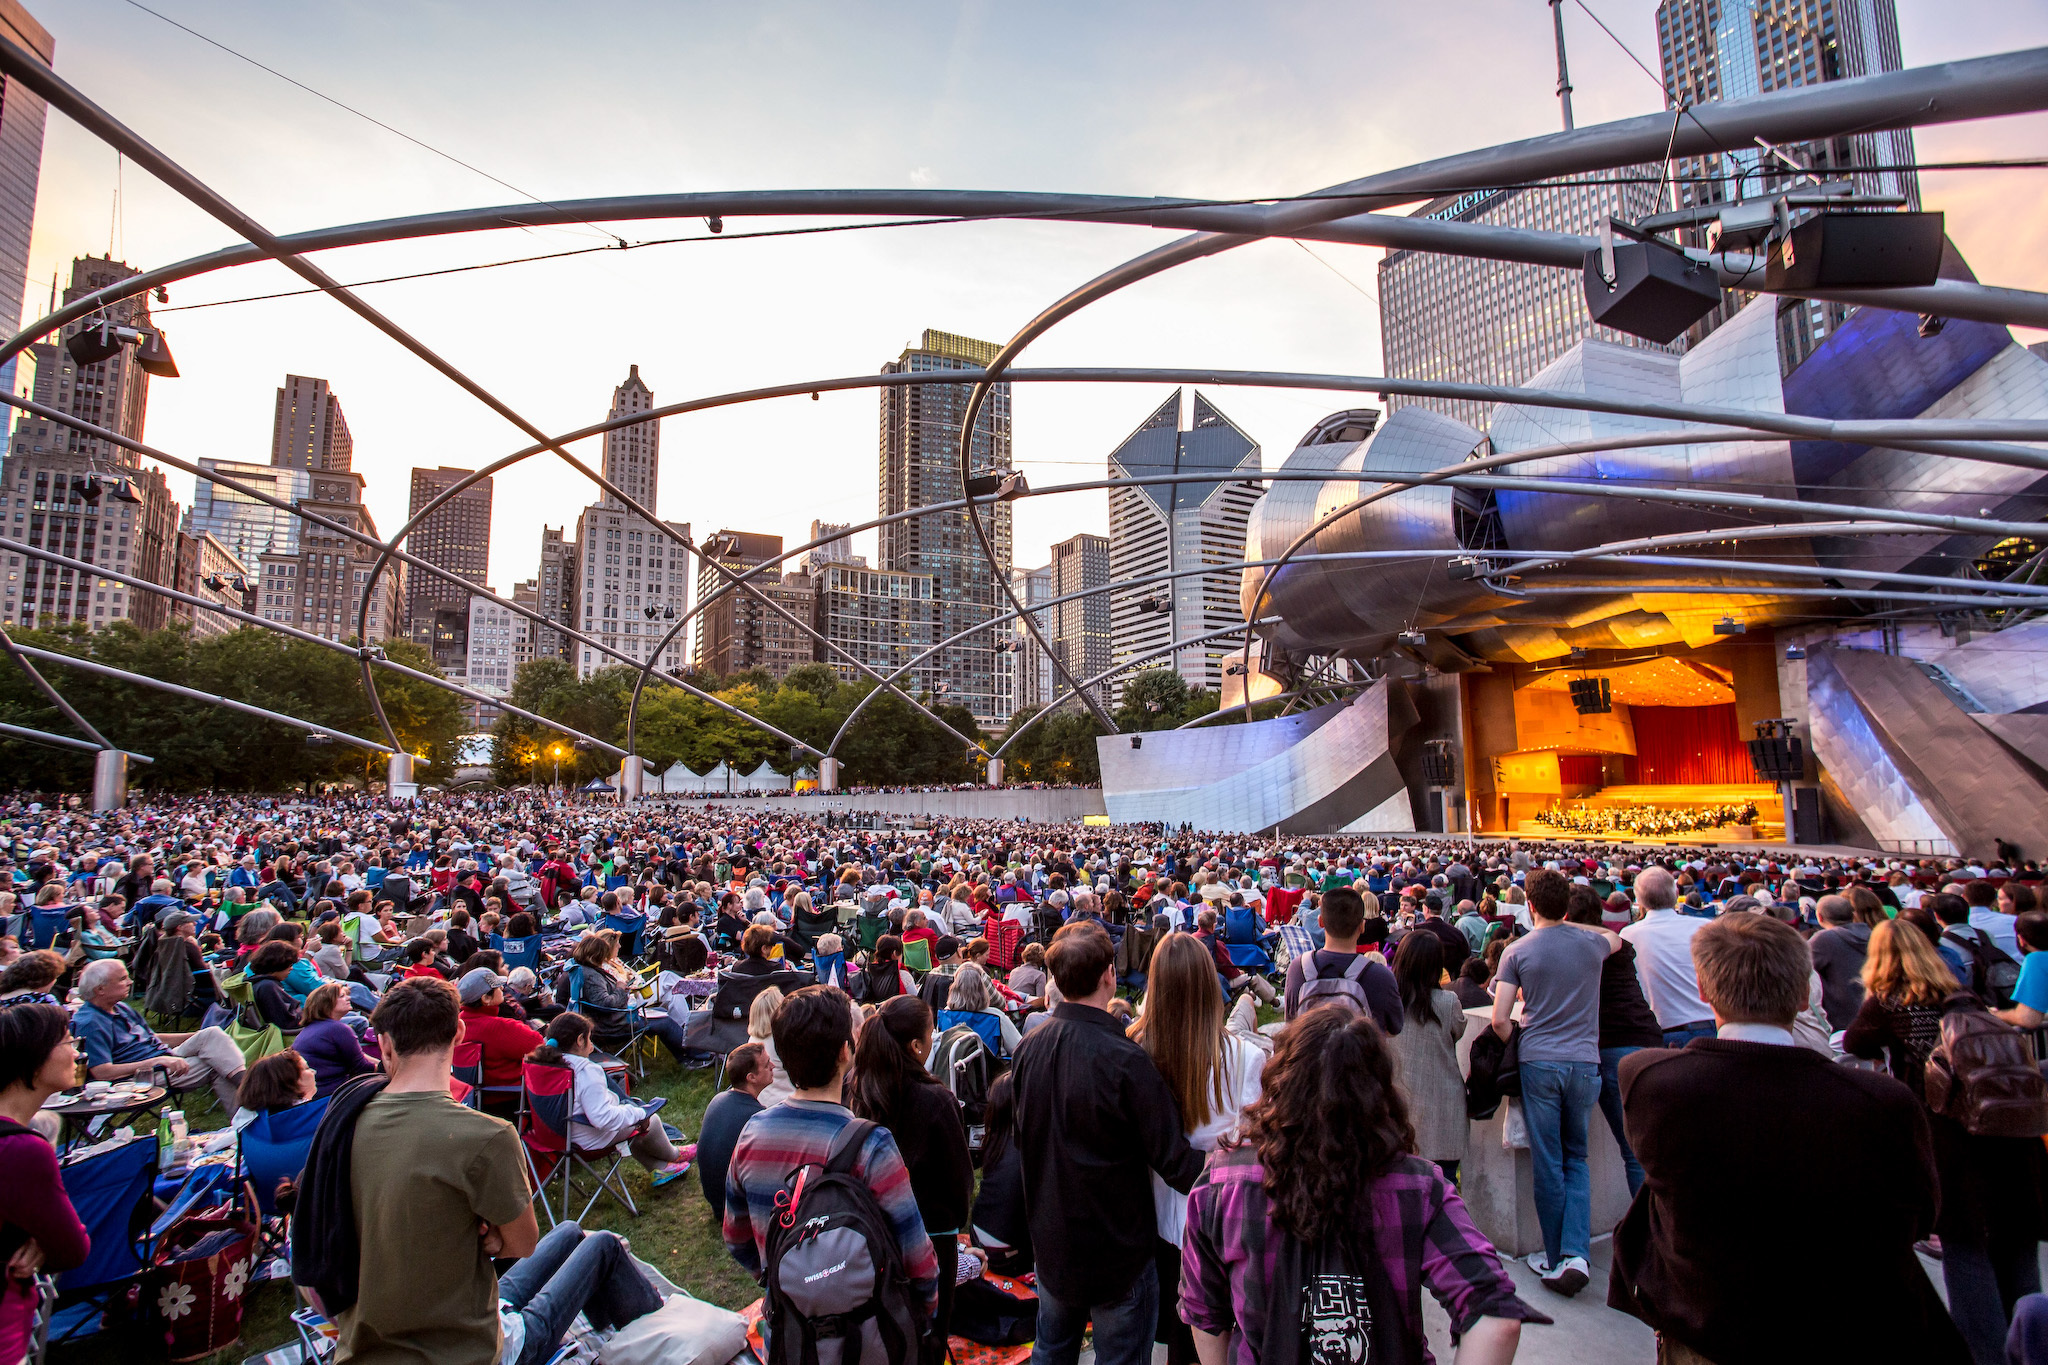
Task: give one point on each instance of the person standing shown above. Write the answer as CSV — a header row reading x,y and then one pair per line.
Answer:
x,y
892,1087
1094,1118
1662,939
1838,952
1713,1123
1626,1026
1555,970
1427,1050
1213,1075
1336,971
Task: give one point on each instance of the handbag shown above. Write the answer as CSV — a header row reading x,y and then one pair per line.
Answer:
x,y
193,1290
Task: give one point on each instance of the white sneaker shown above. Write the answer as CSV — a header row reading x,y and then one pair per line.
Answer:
x,y
1569,1277
1538,1262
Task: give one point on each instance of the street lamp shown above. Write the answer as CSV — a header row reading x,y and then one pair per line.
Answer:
x,y
557,751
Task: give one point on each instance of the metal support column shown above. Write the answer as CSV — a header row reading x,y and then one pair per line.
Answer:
x,y
995,772
398,777
632,777
828,774
109,780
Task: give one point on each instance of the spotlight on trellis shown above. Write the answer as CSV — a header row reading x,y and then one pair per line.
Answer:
x,y
668,613
649,612
317,740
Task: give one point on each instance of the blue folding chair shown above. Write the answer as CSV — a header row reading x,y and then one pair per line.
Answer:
x,y
986,1026
628,928
111,1192
1242,941
49,926
518,952
830,969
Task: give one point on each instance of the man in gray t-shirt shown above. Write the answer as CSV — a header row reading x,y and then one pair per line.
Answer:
x,y
1556,971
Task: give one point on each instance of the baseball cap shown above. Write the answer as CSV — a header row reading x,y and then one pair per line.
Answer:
x,y
478,983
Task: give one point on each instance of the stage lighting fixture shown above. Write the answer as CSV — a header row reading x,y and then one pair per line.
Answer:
x,y
1137,741
153,355
1411,639
1646,288
1465,568
1592,696
715,223
214,581
1728,625
1857,251
668,613
1794,653
318,741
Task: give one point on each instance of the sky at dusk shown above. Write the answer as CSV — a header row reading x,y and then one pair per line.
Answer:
x,y
568,101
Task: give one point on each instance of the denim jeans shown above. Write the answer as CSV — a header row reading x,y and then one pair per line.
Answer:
x,y
1123,1328
1984,1280
1557,1102
1610,1105
1685,1033
571,1273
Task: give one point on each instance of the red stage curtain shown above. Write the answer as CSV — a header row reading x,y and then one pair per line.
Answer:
x,y
1689,744
1580,770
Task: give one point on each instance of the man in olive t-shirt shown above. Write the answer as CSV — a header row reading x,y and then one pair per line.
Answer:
x,y
439,1190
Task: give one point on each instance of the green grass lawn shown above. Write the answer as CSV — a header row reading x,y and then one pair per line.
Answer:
x,y
674,1232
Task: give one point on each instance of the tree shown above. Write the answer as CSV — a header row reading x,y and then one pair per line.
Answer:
x,y
1154,699
1060,748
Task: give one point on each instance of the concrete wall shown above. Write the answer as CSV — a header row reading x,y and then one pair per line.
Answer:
x,y
1063,805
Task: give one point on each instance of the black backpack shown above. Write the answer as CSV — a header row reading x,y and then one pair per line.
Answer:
x,y
1993,973
964,1065
838,1292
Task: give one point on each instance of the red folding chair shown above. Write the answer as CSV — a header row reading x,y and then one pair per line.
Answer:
x,y
547,1107
469,1069
1005,940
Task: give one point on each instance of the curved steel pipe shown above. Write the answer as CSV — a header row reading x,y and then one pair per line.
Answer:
x,y
193,694
22,732
20,656
1278,696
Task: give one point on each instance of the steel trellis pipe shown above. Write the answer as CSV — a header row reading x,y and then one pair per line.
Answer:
x,y
42,684
293,632
193,694
22,732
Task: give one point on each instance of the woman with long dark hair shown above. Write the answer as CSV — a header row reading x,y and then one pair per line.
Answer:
x,y
1001,1225
39,1230
884,976
891,1086
1323,1201
1427,1052
1213,1075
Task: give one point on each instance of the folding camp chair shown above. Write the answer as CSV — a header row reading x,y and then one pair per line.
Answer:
x,y
111,1192
870,929
830,969
49,926
628,928
1242,941
273,1147
547,1106
985,1025
611,1018
1005,942
469,1069
917,955
518,952
1295,941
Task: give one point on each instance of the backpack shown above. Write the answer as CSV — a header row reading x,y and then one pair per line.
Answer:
x,y
1993,973
963,1064
1982,1073
837,1289
1342,988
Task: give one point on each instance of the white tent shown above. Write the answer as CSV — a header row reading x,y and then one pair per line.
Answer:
x,y
763,778
679,779
719,780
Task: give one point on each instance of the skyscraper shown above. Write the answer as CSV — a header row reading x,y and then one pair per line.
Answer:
x,y
1156,529
1080,630
883,619
308,430
1030,666
1466,320
456,537
920,442
248,527
319,584
556,593
1732,49
21,159
632,455
635,578
48,465
835,551
739,631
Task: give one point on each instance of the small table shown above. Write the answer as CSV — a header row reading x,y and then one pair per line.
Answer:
x,y
77,1115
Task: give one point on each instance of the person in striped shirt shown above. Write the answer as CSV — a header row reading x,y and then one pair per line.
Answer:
x,y
813,1031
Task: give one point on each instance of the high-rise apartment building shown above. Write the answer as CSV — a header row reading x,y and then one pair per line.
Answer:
x,y
1732,49
525,631
21,160
1080,630
1157,529
308,431
920,466
881,618
556,592
494,632
632,455
1031,667
247,527
838,550
48,469
204,561
1466,320
319,585
740,630
635,577
456,537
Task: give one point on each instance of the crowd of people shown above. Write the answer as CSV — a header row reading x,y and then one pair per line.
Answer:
x,y
1650,822
1185,1081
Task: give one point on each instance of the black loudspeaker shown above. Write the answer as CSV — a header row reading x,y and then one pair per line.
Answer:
x,y
1858,251
1657,292
1806,815
1777,760
1592,696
